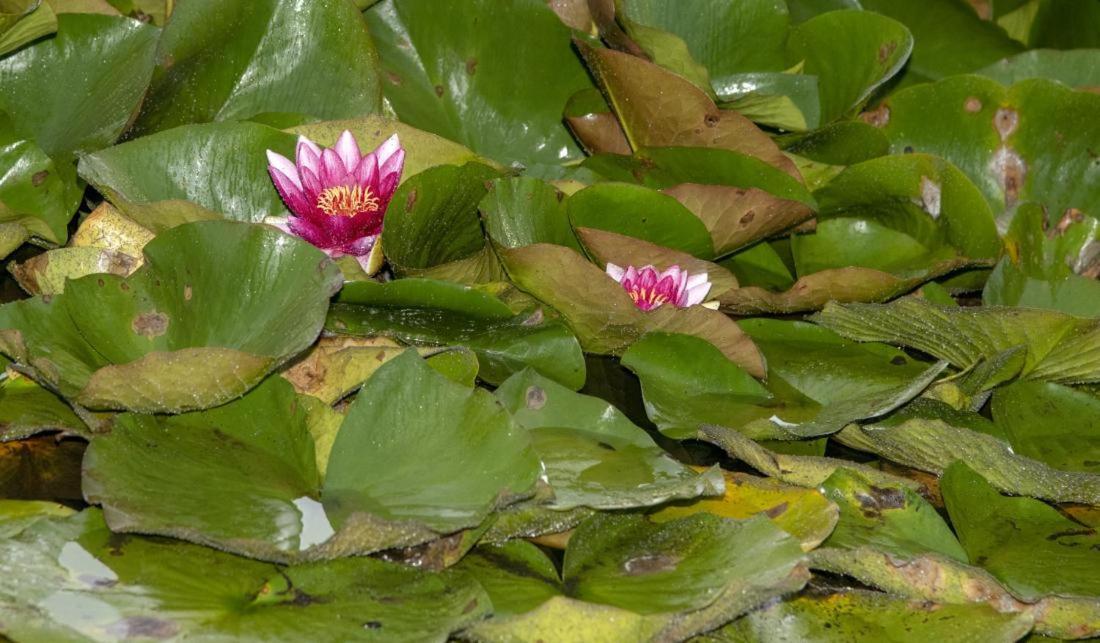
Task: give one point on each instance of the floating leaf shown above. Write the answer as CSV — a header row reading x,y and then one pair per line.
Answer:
x,y
26,408
1051,423
89,581
23,21
455,70
603,316
594,456
424,311
177,335
222,60
1060,348
1025,543
519,211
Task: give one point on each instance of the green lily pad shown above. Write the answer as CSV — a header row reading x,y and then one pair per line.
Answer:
x,y
521,210
23,21
603,316
594,456
37,194
90,583
928,435
1002,138
686,382
851,53
517,576
1078,68
222,60
456,71
840,143
660,109
642,213
425,311
893,519
840,285
1053,424
949,38
372,498
1028,545
26,409
176,335
1041,271
918,204
1059,346
377,469
106,61
861,615
804,513
433,219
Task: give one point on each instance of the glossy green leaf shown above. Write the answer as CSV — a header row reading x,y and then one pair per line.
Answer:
x,y
1028,545
23,21
423,311
949,37
177,334
522,210
1002,138
642,213
1059,346
89,583
517,576
892,519
872,49
862,615
433,219
1053,424
602,315
37,194
223,60
594,456
74,93
377,466
1078,68
455,70
1041,271
26,408
928,435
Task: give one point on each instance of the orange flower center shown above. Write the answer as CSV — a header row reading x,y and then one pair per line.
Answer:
x,y
344,201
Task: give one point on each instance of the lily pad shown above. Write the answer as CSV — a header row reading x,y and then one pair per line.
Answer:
x,y
26,409
105,61
156,341
426,311
1025,543
1051,423
1077,68
23,21
804,513
519,211
603,316
860,615
222,60
660,109
892,519
455,71
1059,346
1001,138
594,456
90,583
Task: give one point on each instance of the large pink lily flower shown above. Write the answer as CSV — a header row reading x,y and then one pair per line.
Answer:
x,y
650,289
337,195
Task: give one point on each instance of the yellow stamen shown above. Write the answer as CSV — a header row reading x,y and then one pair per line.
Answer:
x,y
344,201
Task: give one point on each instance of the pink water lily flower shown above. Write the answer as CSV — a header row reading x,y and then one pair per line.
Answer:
x,y
650,289
338,196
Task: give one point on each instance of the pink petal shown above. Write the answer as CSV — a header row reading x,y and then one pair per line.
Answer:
x,y
348,150
333,172
366,174
360,247
615,272
308,155
695,294
387,149
284,165
390,173
291,193
306,230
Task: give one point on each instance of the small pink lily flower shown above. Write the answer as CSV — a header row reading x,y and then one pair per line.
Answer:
x,y
650,289
337,195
